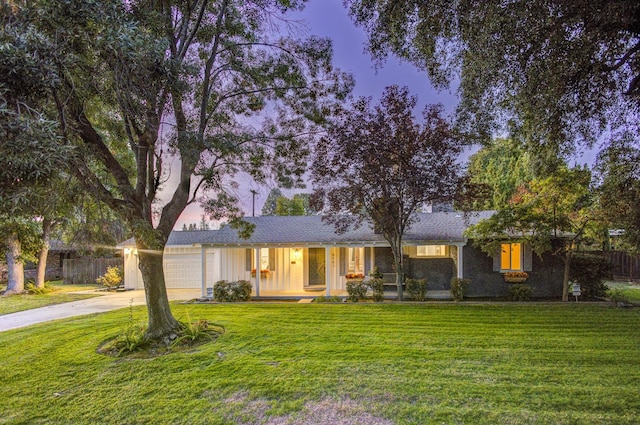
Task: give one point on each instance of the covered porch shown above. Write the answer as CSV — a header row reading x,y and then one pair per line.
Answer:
x,y
297,271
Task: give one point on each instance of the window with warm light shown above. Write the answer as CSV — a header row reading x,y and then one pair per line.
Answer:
x,y
431,251
511,257
264,259
355,260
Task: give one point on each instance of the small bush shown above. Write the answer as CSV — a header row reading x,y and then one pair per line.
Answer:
x,y
377,288
617,296
459,288
417,288
130,340
232,291
32,289
375,273
191,332
356,290
112,277
590,271
325,299
520,292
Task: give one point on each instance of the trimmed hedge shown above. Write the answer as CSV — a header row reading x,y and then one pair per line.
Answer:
x,y
417,288
520,292
458,288
232,291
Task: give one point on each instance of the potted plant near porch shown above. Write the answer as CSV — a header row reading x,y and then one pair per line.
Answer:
x,y
263,273
515,277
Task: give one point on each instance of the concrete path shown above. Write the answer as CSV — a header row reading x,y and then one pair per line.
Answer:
x,y
107,301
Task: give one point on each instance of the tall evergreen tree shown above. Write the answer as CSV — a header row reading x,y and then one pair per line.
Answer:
x,y
270,204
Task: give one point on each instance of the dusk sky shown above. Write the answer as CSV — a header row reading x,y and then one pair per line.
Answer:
x,y
329,18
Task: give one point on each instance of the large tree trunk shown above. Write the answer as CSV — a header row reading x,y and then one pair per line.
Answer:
x,y
162,324
565,279
400,279
41,269
15,267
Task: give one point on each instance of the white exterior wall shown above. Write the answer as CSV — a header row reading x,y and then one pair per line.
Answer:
x,y
232,265
287,275
183,268
213,266
337,282
132,275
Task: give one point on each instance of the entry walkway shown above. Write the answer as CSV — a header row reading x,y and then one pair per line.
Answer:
x,y
107,301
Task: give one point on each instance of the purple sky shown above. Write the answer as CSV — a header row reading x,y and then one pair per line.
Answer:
x,y
329,18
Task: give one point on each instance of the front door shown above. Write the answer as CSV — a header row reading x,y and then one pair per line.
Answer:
x,y
317,266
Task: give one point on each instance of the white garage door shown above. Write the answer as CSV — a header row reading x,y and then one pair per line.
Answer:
x,y
182,267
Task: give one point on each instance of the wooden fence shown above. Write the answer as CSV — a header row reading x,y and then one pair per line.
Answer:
x,y
86,270
625,266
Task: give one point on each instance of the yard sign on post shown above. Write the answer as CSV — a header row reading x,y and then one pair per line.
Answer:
x,y
576,290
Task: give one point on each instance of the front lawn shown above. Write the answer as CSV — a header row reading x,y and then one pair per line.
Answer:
x,y
60,294
338,364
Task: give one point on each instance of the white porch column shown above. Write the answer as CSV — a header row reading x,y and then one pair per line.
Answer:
x,y
328,270
204,269
372,258
257,263
460,263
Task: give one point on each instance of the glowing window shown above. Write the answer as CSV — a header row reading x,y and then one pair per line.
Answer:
x,y
355,260
264,259
431,251
511,257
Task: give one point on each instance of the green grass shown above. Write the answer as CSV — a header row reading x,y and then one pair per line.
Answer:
x,y
630,290
60,294
326,363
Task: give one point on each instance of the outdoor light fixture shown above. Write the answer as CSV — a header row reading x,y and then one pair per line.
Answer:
x,y
296,255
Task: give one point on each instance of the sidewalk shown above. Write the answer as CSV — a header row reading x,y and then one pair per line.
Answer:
x,y
106,302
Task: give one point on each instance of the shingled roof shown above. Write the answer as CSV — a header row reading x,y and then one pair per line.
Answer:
x,y
311,230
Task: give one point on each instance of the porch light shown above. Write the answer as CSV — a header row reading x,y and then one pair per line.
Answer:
x,y
296,255
127,251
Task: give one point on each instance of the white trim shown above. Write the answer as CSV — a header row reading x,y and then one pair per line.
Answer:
x,y
258,274
204,270
327,269
460,262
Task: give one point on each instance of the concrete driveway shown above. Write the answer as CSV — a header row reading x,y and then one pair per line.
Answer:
x,y
107,301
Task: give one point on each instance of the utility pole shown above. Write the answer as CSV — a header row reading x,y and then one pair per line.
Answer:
x,y
253,202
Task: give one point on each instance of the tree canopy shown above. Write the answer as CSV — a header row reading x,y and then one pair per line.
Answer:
x,y
296,205
619,191
503,166
377,164
548,214
31,149
555,72
216,87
